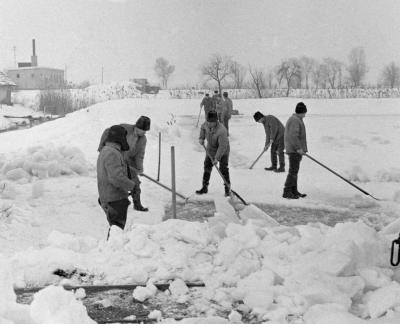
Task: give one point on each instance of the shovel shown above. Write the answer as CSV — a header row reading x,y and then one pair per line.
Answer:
x,y
258,157
338,175
250,211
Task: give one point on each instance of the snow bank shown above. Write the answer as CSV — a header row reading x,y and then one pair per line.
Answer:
x,y
43,162
56,305
50,305
273,271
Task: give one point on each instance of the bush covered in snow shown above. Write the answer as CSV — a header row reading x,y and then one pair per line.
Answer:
x,y
43,162
294,93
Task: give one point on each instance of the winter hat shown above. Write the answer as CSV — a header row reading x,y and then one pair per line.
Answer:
x,y
143,123
301,108
117,134
212,116
257,116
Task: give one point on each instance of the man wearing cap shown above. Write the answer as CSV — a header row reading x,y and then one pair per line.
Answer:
x,y
296,147
227,108
217,148
274,137
113,182
136,138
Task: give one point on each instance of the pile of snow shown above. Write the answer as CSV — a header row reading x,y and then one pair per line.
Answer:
x,y
50,305
43,162
273,271
27,98
104,92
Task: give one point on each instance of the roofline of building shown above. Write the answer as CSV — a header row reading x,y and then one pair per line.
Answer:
x,y
34,68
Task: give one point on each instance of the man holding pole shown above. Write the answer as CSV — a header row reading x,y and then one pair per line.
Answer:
x,y
136,138
274,137
217,151
296,147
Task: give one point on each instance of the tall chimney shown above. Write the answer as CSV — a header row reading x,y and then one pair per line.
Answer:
x,y
34,59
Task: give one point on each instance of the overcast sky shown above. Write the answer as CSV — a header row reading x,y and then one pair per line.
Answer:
x,y
127,36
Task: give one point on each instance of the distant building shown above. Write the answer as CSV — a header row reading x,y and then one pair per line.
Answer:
x,y
6,85
30,76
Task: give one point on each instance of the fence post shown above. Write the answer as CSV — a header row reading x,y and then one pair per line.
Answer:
x,y
159,155
173,182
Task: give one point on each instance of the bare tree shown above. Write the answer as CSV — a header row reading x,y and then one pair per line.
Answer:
x,y
238,72
357,67
391,75
163,70
217,68
257,80
307,65
333,71
269,79
290,70
318,75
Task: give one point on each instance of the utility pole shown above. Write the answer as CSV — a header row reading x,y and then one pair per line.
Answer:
x,y
15,56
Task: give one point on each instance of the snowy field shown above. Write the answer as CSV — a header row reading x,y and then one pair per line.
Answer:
x,y
310,273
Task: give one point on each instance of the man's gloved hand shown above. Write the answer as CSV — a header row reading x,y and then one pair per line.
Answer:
x,y
215,162
266,147
201,141
300,151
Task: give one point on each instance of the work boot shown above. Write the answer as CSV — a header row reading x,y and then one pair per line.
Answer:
x,y
271,168
280,169
137,205
202,191
288,194
301,195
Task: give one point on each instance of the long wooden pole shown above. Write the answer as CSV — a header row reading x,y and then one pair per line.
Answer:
x,y
173,181
338,175
258,157
164,186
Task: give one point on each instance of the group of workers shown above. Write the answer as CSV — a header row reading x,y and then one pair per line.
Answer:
x,y
122,149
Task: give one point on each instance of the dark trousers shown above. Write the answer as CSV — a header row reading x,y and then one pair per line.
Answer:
x,y
225,121
223,166
294,166
277,148
135,193
116,212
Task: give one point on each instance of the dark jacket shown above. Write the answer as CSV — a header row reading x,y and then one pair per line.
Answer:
x,y
208,104
274,129
227,108
112,176
137,145
295,134
217,140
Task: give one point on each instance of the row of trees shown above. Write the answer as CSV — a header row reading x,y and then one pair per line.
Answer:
x,y
301,73
297,72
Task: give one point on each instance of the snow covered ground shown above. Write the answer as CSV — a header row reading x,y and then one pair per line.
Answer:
x,y
311,273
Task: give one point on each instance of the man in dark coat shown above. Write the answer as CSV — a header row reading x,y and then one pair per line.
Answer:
x,y
217,147
274,137
296,147
113,182
136,138
208,104
227,108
